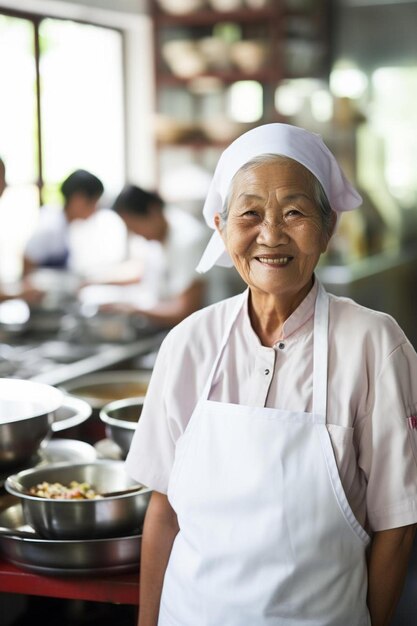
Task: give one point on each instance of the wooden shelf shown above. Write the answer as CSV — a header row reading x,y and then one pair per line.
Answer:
x,y
175,97
209,17
267,75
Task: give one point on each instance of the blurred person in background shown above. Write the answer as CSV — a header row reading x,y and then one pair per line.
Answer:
x,y
171,275
50,245
24,291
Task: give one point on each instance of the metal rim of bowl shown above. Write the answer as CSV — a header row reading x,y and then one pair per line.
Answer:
x,y
82,412
120,404
53,403
15,478
73,386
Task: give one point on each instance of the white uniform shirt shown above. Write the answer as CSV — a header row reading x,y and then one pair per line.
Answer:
x,y
170,267
49,243
372,397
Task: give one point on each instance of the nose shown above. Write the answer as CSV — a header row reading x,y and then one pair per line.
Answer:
x,y
272,233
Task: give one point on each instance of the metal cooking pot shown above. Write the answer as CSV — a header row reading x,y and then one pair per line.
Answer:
x,y
120,419
26,414
111,516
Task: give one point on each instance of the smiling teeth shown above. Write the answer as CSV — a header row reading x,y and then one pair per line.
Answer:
x,y
282,261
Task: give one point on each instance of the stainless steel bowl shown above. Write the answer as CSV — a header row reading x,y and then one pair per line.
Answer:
x,y
103,387
77,557
26,414
120,419
71,413
100,388
81,519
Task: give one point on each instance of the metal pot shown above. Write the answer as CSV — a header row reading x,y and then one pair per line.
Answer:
x,y
120,419
26,414
81,519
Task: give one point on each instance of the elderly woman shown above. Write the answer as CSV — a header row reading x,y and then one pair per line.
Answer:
x,y
279,430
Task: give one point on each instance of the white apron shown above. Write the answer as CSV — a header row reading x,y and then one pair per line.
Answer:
x,y
267,536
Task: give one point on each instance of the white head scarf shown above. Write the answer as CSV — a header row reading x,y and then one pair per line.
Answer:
x,y
282,139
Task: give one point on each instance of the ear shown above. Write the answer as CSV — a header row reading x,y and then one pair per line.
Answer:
x,y
332,228
218,224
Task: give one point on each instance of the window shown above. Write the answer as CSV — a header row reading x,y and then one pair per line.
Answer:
x,y
61,108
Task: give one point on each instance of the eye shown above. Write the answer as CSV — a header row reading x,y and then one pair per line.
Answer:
x,y
250,213
293,212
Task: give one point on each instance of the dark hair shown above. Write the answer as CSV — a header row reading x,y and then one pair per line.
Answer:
x,y
82,182
136,201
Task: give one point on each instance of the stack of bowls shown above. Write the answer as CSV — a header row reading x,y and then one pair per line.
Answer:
x,y
75,536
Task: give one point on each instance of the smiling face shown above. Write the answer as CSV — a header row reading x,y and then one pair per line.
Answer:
x,y
274,233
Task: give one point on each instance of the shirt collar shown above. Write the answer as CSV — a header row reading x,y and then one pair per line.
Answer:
x,y
297,319
302,313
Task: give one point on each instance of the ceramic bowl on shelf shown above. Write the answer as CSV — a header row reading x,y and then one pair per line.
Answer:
x,y
184,58
216,52
249,55
226,5
179,7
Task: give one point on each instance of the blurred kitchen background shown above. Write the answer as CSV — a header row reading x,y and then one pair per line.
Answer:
x,y
150,93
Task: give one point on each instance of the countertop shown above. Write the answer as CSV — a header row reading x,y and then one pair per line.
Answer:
x,y
118,589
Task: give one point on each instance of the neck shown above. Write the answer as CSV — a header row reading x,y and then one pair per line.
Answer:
x,y
268,312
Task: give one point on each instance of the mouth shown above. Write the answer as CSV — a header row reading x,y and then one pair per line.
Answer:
x,y
274,261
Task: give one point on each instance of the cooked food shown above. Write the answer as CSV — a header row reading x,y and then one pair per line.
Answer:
x,y
58,491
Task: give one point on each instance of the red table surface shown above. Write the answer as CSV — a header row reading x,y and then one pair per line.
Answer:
x,y
118,589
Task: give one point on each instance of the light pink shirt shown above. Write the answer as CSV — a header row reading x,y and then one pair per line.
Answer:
x,y
372,396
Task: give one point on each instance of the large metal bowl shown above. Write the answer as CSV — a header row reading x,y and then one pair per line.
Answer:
x,y
81,519
67,557
120,419
100,388
103,387
71,413
26,414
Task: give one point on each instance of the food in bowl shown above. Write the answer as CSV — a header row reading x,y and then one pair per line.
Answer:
x,y
58,491
55,518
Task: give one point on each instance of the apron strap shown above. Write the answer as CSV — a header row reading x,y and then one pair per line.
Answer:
x,y
240,300
321,326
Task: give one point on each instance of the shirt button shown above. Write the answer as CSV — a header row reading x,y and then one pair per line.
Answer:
x,y
281,345
267,372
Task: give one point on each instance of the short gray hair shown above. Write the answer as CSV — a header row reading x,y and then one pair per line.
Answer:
x,y
320,196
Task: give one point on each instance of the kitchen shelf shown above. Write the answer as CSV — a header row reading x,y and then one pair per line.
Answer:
x,y
262,76
209,17
266,45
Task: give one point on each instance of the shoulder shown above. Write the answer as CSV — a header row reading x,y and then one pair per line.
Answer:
x,y
52,218
201,332
361,325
